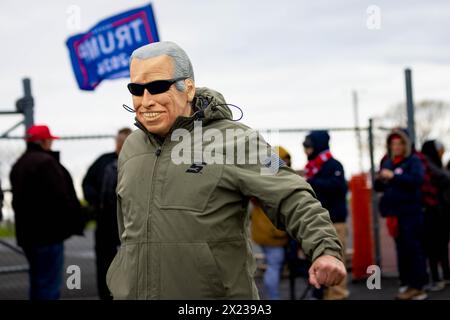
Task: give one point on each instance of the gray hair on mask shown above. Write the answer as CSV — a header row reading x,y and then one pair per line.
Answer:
x,y
182,63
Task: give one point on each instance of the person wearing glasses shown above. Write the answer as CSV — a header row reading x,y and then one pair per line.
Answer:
x,y
182,212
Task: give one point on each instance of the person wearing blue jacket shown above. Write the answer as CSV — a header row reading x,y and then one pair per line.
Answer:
x,y
400,179
326,176
1,202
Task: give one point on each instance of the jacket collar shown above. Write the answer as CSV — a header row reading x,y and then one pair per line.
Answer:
x,y
208,105
35,147
403,134
180,122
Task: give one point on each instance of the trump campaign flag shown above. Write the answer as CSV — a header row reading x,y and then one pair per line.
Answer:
x,y
104,51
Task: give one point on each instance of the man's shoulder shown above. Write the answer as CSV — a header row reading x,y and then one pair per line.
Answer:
x,y
107,156
136,143
102,161
136,136
331,164
238,130
335,163
224,124
331,168
31,163
38,158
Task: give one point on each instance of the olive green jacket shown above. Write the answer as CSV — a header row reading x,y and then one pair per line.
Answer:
x,y
184,227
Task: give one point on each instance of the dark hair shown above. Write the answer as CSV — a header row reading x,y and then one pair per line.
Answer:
x,y
124,131
429,150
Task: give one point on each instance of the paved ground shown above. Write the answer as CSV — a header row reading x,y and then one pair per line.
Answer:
x,y
79,251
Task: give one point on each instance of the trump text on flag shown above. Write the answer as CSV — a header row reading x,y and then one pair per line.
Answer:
x,y
103,52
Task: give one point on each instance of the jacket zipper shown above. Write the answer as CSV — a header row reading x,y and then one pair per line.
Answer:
x,y
150,206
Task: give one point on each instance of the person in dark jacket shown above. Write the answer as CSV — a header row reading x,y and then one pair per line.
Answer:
x,y
436,219
1,202
99,187
326,176
46,211
446,200
400,179
446,195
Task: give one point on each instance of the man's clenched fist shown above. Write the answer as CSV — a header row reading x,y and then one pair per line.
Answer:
x,y
326,270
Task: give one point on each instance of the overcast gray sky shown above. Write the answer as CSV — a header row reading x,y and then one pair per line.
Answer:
x,y
286,63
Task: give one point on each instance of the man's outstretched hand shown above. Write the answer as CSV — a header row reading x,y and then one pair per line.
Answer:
x,y
326,270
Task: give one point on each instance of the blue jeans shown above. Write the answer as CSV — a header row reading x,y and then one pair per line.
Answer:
x,y
46,270
274,260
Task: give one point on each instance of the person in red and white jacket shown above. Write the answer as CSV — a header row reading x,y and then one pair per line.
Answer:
x,y
326,176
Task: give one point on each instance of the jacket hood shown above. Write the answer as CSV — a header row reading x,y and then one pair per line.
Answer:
x,y
208,105
318,140
404,135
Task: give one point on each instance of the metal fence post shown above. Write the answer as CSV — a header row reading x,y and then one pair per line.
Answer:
x,y
28,111
410,105
375,218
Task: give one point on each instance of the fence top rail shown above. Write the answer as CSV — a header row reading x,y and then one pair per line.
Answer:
x,y
294,130
9,112
281,130
80,137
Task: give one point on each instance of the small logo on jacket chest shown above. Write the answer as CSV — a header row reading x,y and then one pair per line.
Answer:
x,y
196,167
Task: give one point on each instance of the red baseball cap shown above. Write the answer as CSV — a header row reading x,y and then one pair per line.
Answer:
x,y
39,132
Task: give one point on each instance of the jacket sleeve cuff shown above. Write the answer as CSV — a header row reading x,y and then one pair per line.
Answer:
x,y
326,251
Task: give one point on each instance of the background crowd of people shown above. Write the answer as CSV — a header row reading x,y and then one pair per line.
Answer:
x,y
414,191
415,200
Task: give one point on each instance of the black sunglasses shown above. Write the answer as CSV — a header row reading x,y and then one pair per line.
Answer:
x,y
154,87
